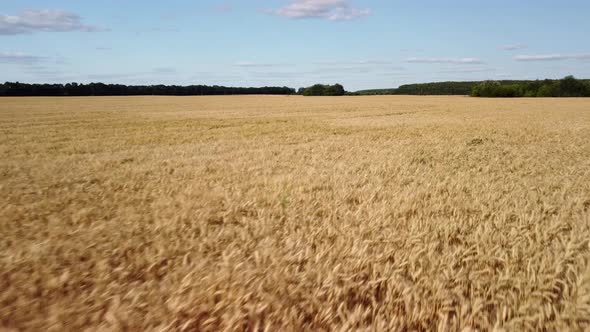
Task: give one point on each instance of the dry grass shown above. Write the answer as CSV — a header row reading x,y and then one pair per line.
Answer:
x,y
290,213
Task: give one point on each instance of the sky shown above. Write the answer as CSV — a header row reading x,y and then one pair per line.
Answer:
x,y
296,43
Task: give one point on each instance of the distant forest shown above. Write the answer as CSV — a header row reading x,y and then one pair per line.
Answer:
x,y
567,87
100,89
438,88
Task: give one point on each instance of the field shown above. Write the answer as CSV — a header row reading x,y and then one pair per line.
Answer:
x,y
290,213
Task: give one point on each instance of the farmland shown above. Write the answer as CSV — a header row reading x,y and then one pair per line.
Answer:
x,y
294,213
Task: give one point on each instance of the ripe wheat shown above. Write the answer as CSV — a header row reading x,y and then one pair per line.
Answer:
x,y
291,213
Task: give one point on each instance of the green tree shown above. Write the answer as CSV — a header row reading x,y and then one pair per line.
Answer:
x,y
334,90
314,90
545,91
571,87
325,90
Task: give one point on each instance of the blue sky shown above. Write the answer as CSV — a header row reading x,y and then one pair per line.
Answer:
x,y
361,44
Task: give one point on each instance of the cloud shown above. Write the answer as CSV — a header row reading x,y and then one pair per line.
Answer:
x,y
164,70
504,75
467,70
332,10
552,57
354,63
347,70
248,64
410,50
160,72
104,48
374,62
46,20
513,47
112,76
164,29
19,58
358,67
43,71
459,61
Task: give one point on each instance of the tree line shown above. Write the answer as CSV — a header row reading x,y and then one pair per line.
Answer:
x,y
566,87
436,88
101,89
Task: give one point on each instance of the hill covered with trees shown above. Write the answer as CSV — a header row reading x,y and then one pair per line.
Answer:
x,y
100,89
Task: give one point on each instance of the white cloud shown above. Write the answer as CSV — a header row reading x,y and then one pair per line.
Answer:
x,y
513,47
468,61
374,62
552,57
469,70
164,70
359,62
18,58
248,64
504,75
333,10
46,20
410,50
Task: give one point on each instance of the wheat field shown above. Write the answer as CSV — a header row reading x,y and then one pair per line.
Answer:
x,y
285,213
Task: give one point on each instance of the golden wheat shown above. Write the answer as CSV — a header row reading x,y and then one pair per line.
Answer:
x,y
291,213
